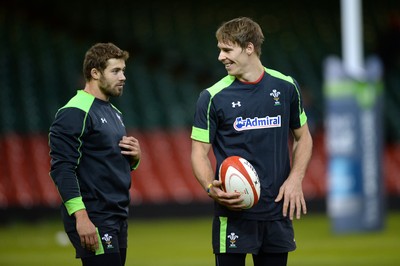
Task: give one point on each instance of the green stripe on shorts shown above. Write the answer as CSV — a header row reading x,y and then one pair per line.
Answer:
x,y
100,250
223,225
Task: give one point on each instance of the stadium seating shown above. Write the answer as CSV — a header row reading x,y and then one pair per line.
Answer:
x,y
173,57
164,174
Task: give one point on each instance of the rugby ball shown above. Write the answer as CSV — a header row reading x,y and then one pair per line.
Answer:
x,y
238,175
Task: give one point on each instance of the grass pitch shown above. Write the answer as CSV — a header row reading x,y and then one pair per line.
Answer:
x,y
187,242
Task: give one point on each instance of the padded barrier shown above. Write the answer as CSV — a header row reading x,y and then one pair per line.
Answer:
x,y
164,174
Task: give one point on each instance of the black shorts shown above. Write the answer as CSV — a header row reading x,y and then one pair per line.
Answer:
x,y
230,235
112,239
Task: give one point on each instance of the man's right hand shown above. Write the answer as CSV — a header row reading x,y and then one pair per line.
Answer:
x,y
86,230
232,200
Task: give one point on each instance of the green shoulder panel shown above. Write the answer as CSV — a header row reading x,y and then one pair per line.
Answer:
x,y
81,100
220,85
203,134
279,75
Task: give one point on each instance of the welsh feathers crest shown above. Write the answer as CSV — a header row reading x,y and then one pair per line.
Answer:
x,y
275,94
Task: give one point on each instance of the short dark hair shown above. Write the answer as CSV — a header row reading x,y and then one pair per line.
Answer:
x,y
98,55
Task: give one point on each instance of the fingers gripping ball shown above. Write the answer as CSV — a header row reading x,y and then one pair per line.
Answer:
x,y
238,175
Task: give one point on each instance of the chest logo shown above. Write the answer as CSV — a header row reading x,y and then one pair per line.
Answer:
x,y
241,123
275,94
236,104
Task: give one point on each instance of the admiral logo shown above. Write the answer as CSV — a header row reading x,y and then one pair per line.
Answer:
x,y
241,124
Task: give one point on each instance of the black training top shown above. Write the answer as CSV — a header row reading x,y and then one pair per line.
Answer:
x,y
252,120
87,166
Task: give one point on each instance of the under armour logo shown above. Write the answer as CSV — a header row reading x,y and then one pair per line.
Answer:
x,y
236,104
103,120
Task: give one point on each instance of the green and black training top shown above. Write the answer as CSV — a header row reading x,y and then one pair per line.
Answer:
x,y
252,120
87,166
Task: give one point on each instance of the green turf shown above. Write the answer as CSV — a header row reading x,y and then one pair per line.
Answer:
x,y
186,242
317,245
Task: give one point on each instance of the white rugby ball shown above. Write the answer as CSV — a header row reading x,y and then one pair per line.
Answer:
x,y
238,175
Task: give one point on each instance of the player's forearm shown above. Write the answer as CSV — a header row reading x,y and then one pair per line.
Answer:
x,y
203,172
201,165
302,151
66,182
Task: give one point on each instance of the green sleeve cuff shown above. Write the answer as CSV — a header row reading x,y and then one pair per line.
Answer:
x,y
74,204
303,118
200,134
136,165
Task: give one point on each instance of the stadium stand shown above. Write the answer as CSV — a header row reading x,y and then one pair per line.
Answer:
x,y
173,57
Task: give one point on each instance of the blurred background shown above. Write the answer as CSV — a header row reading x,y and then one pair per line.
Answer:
x,y
173,57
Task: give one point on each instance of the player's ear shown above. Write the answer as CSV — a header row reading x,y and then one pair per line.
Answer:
x,y
249,48
95,73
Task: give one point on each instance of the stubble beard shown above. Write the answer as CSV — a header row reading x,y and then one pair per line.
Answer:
x,y
109,90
